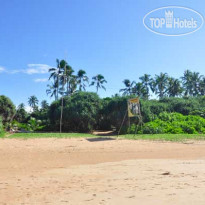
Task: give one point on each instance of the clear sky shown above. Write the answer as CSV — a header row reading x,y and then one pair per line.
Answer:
x,y
99,36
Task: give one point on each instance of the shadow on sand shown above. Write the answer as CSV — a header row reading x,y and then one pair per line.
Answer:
x,y
99,139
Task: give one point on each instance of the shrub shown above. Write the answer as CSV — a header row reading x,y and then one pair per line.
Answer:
x,y
7,109
174,123
1,127
80,112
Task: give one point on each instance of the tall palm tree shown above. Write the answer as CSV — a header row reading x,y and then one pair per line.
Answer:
x,y
146,83
160,83
69,75
21,106
56,73
174,87
128,90
53,90
191,83
44,104
196,78
202,86
140,90
98,81
81,79
33,102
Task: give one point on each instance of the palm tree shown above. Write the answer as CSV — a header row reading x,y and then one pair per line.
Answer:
x,y
21,106
191,83
33,102
140,90
56,73
44,104
128,90
174,87
159,84
81,79
146,83
196,78
53,90
98,81
69,75
202,86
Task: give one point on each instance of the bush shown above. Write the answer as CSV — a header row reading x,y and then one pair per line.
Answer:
x,y
1,127
80,113
174,123
7,109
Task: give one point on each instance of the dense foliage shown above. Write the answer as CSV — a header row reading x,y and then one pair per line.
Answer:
x,y
7,109
80,113
1,126
173,123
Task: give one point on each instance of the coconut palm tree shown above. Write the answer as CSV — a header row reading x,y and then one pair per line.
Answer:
x,y
56,73
174,87
146,83
128,90
82,79
33,102
98,81
44,105
159,84
53,90
140,90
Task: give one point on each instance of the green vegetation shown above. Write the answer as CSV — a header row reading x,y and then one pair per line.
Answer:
x,y
178,109
48,135
158,137
165,137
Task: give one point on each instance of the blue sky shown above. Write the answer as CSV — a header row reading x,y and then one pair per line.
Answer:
x,y
99,36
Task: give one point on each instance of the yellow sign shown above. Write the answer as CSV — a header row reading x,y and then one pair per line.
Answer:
x,y
133,107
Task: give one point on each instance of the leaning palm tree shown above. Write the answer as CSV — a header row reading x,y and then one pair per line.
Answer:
x,y
98,81
33,102
128,90
82,79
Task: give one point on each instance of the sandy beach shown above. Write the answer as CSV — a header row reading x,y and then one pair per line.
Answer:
x,y
89,171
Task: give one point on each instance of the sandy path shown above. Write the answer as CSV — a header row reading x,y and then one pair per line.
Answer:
x,y
77,171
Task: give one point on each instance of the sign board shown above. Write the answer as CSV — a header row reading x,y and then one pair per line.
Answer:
x,y
133,107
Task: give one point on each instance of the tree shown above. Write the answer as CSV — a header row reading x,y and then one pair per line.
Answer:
x,y
191,83
52,90
174,87
33,102
159,84
81,79
128,90
98,81
21,114
70,78
7,109
44,105
140,90
146,82
56,72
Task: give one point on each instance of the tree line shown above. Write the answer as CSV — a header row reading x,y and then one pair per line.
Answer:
x,y
162,85
64,81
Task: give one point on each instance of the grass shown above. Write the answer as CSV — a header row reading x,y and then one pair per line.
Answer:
x,y
160,137
166,137
48,135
